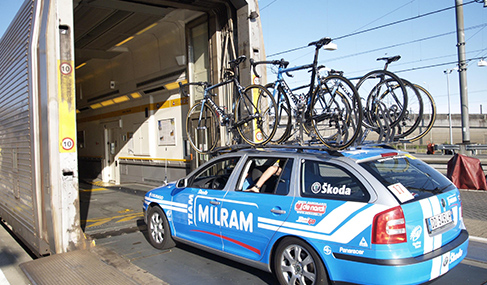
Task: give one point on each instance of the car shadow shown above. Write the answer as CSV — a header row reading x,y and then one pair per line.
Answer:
x,y
266,277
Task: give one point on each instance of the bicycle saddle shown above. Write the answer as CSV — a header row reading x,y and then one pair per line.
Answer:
x,y
390,59
237,61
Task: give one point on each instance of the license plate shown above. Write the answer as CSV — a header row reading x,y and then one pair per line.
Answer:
x,y
440,220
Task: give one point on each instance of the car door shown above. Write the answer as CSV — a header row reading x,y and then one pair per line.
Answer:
x,y
332,209
249,220
203,197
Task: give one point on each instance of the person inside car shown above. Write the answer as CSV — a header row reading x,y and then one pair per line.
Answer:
x,y
274,169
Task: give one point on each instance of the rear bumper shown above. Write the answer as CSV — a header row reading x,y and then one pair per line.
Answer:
x,y
411,270
462,237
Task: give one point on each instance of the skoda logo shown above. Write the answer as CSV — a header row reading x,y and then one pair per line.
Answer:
x,y
316,187
446,260
443,202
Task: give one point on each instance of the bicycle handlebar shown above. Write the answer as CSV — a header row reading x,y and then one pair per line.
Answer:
x,y
331,71
199,83
282,63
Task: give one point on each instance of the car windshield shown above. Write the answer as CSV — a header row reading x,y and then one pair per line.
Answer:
x,y
405,170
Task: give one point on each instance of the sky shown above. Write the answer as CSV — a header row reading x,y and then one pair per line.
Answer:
x,y
8,11
428,39
426,43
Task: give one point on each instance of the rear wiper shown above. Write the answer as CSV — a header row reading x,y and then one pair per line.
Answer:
x,y
438,190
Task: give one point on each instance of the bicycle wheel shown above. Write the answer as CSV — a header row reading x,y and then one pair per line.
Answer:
x,y
413,114
336,112
255,115
283,115
202,128
383,101
429,115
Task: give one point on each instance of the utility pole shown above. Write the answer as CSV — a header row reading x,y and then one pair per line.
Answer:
x,y
462,71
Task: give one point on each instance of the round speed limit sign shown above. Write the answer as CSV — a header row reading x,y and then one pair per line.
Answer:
x,y
67,143
66,68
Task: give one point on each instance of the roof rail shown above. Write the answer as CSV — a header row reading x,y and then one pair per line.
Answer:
x,y
298,148
231,148
379,145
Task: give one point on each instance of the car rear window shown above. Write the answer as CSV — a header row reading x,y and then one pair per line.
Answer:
x,y
405,170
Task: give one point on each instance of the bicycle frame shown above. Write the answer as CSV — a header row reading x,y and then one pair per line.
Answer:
x,y
284,87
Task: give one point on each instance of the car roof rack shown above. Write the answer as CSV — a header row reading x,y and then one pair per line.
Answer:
x,y
379,145
298,148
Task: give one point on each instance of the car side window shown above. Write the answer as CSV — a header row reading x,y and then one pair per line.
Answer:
x,y
328,181
214,176
266,175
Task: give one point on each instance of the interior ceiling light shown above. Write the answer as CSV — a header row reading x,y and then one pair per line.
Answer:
x,y
121,99
135,95
81,65
107,103
124,41
96,106
146,29
175,85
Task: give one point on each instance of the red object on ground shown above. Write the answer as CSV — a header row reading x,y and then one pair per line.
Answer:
x,y
466,172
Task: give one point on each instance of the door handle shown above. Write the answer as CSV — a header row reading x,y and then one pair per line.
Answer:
x,y
214,202
277,211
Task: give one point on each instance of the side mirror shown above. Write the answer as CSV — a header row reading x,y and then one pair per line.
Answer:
x,y
181,183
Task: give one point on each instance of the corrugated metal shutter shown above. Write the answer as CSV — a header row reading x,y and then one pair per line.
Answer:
x,y
17,200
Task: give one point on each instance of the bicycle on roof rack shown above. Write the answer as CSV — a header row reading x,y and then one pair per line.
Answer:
x,y
421,110
331,108
252,116
386,102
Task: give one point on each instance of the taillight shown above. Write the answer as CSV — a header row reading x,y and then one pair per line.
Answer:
x,y
389,227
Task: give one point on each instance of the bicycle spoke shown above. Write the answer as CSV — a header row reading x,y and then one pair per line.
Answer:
x,y
202,128
336,112
255,115
283,115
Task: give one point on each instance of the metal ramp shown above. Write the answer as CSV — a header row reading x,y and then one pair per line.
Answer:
x,y
95,266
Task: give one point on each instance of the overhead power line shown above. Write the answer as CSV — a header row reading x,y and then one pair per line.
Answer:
x,y
436,65
267,5
400,21
376,28
383,16
404,43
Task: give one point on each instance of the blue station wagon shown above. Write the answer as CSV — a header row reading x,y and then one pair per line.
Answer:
x,y
370,215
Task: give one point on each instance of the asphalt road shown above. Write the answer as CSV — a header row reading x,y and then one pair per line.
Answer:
x,y
112,216
188,265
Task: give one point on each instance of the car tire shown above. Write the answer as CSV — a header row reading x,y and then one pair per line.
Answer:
x,y
296,262
158,229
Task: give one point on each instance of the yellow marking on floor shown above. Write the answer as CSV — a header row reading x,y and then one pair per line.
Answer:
x,y
130,218
125,211
99,222
120,218
93,190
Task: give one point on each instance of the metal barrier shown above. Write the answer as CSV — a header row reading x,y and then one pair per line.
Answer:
x,y
455,147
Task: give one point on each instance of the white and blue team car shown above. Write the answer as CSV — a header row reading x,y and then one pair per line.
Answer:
x,y
368,215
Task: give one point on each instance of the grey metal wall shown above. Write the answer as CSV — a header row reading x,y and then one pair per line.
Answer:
x,y
17,190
